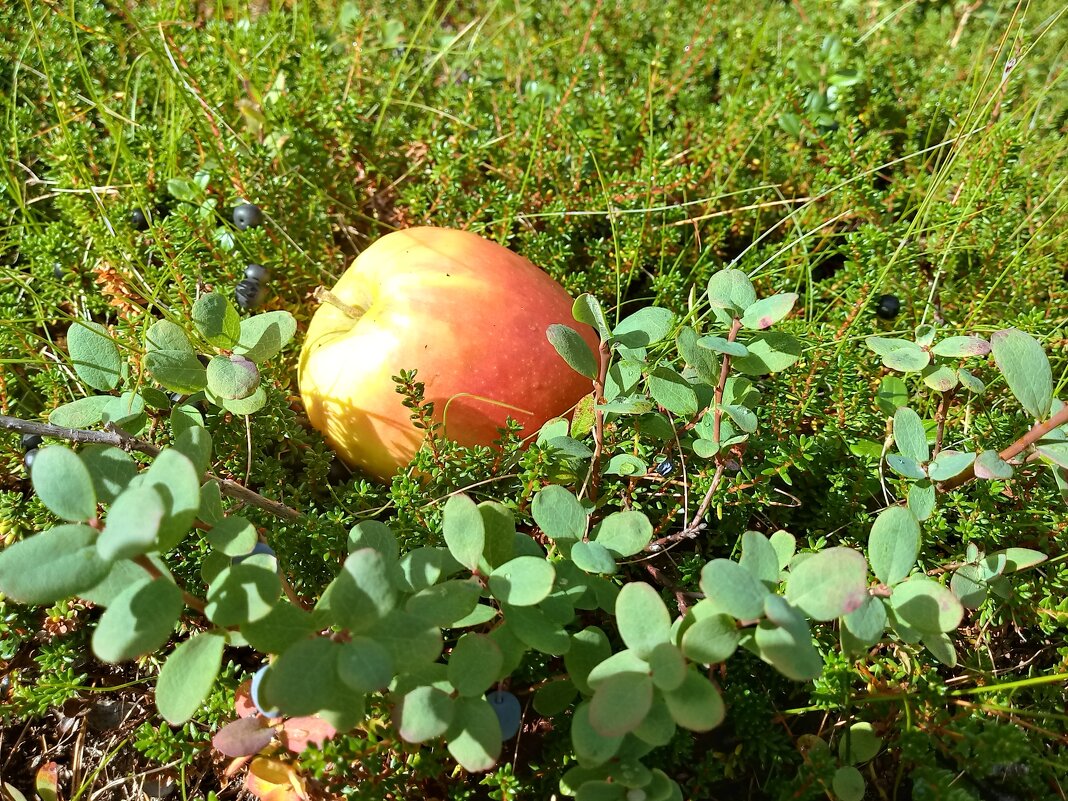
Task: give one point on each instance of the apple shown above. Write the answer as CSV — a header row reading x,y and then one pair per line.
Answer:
x,y
468,314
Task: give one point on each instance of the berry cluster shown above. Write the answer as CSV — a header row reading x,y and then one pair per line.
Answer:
x,y
249,292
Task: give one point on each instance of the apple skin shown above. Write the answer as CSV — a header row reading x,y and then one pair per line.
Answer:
x,y
468,314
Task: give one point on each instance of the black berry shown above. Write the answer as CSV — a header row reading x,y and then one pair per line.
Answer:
x,y
665,468
248,294
31,441
138,219
57,270
247,215
28,459
888,307
338,473
257,272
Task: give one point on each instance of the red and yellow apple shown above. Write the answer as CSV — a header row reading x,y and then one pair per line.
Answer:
x,y
468,314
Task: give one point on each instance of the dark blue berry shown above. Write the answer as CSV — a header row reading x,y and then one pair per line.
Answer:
x,y
138,219
249,294
28,459
256,272
888,307
338,473
666,467
31,441
247,215
57,270
509,712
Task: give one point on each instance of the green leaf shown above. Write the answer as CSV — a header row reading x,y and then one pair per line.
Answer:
x,y
195,443
1054,452
176,480
727,347
733,589
1020,558
624,533
244,592
170,358
642,618
523,581
211,506
759,557
362,593
63,484
280,628
474,664
969,585
711,640
217,320
1023,363
893,544
644,327
263,336
422,567
111,469
553,698
868,621
587,309
785,642
921,500
53,565
447,603
138,621
588,648
667,665
910,436
132,525
424,713
906,467
95,355
621,703
573,349
765,312
948,464
232,377
696,704
848,784
961,347
970,382
926,605
624,464
673,392
475,737
498,522
464,530
732,290
559,514
892,395
910,358
769,352
939,377
704,363
886,345
304,678
410,639
591,747
234,535
364,665
941,645
82,413
828,584
188,675
373,534
592,557
125,411
785,544
534,628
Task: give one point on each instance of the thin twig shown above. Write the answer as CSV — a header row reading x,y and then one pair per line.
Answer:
x,y
120,439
